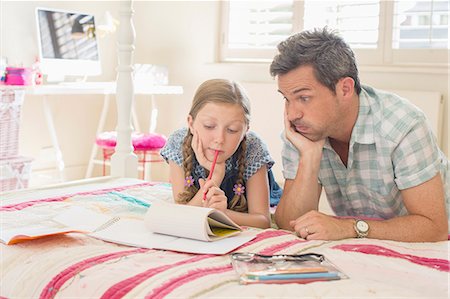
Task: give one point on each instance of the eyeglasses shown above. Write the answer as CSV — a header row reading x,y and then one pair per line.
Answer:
x,y
254,257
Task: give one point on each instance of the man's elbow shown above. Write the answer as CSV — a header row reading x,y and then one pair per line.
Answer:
x,y
442,234
282,221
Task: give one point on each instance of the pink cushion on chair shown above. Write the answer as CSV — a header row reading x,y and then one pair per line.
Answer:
x,y
148,141
141,141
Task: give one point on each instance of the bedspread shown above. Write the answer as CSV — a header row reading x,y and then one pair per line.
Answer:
x,y
78,266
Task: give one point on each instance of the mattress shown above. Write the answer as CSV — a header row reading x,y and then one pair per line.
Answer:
x,y
77,266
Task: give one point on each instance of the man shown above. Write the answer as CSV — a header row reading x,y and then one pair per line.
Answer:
x,y
372,151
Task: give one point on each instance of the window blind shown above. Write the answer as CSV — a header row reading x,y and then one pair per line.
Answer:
x,y
356,21
380,32
420,24
259,24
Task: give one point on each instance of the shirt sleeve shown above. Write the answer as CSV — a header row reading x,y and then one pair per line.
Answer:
x,y
257,155
172,151
290,158
416,159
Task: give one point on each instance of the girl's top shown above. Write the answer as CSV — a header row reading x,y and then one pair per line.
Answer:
x,y
256,156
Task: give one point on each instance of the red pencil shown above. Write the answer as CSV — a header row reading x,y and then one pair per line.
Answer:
x,y
216,154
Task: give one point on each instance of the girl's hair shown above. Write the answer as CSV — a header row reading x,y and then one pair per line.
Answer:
x,y
219,91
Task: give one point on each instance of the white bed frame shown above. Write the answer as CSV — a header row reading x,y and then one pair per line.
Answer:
x,y
124,162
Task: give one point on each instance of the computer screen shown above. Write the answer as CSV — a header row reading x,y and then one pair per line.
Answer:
x,y
68,44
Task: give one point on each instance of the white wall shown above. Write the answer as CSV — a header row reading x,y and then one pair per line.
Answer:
x,y
182,35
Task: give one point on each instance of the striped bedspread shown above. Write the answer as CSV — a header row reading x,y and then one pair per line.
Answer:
x,y
77,266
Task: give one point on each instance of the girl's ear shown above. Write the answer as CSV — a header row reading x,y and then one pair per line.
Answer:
x,y
190,121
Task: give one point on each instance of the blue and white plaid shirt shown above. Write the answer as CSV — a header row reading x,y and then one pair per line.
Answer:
x,y
391,148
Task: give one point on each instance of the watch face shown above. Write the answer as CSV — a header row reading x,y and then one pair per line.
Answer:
x,y
362,226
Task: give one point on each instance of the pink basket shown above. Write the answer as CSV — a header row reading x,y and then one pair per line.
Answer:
x,y
14,173
10,104
19,76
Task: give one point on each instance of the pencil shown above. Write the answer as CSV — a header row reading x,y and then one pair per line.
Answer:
x,y
216,154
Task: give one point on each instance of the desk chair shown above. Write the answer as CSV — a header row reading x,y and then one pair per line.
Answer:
x,y
147,147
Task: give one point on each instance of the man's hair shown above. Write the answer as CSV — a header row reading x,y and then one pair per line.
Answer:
x,y
329,55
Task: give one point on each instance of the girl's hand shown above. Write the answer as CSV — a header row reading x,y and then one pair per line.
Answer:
x,y
219,170
215,197
197,147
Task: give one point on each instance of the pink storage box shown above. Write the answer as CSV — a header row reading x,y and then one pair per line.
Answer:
x,y
10,105
19,76
15,173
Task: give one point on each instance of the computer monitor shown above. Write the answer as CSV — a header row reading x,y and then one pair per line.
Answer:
x,y
68,44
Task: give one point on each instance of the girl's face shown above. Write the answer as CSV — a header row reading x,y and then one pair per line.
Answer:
x,y
219,127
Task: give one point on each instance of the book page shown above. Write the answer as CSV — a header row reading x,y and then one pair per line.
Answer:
x,y
219,229
82,219
74,219
13,236
178,220
185,221
134,232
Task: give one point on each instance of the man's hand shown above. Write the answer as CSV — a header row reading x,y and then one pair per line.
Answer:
x,y
301,143
318,226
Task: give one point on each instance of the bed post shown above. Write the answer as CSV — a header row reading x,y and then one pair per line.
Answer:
x,y
124,161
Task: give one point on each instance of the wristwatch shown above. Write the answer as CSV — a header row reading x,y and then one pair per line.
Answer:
x,y
361,228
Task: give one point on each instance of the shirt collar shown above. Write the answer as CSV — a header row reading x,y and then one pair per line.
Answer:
x,y
363,131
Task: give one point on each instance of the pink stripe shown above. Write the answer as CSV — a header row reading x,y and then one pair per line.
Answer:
x,y
122,288
27,204
281,246
262,236
52,288
174,283
438,264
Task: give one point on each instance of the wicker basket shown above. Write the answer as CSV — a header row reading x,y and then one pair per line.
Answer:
x,y
10,104
15,173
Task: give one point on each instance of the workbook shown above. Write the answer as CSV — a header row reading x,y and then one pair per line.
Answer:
x,y
198,223
179,228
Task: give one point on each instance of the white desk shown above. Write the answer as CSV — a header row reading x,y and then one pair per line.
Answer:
x,y
94,88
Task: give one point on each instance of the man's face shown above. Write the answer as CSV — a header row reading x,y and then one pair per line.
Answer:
x,y
312,109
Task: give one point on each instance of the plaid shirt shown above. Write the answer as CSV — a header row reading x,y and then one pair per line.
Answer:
x,y
391,148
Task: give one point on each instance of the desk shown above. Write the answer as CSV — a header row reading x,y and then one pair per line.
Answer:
x,y
94,88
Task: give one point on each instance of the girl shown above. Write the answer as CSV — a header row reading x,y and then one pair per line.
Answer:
x,y
242,181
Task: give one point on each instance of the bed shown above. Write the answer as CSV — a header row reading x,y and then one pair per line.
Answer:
x,y
75,265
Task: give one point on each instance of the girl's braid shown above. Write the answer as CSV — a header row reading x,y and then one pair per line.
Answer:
x,y
239,202
188,155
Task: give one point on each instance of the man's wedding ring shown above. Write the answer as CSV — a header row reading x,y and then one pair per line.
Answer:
x,y
306,230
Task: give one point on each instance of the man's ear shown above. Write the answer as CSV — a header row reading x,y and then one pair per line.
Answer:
x,y
347,86
190,122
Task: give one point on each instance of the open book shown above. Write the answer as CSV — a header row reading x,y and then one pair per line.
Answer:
x,y
204,224
179,228
73,220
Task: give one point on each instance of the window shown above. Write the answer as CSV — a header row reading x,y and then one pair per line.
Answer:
x,y
380,32
420,25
